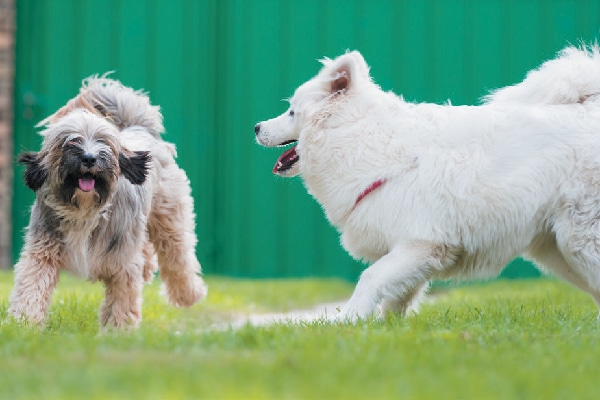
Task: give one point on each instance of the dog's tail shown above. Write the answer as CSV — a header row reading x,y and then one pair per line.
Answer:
x,y
572,77
109,98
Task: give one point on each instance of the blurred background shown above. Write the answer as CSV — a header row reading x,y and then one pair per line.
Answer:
x,y
216,67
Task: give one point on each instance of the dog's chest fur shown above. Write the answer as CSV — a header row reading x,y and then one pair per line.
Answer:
x,y
83,252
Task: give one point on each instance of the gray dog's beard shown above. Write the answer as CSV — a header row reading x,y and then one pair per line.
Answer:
x,y
81,186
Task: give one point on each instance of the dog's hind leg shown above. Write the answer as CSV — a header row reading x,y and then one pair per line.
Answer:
x,y
36,275
545,254
582,255
570,258
150,262
398,275
171,227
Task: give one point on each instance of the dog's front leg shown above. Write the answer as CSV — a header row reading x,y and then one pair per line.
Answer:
x,y
36,275
406,303
397,275
122,306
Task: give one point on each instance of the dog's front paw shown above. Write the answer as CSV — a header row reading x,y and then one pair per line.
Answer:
x,y
185,292
114,318
22,314
350,314
345,317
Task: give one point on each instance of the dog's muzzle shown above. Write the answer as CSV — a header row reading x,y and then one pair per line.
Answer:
x,y
286,163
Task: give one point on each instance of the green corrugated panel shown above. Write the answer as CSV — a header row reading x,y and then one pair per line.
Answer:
x,y
217,67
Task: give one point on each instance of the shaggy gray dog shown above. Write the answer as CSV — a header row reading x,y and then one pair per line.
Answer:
x,y
110,203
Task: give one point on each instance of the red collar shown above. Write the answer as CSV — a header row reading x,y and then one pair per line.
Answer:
x,y
368,190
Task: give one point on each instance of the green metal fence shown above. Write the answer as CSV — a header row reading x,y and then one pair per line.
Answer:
x,y
218,66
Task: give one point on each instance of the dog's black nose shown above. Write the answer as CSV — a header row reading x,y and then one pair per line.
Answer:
x,y
88,160
257,128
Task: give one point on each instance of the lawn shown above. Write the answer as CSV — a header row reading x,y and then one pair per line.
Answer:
x,y
530,339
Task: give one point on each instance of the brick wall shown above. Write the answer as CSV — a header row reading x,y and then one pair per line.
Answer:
x,y
7,34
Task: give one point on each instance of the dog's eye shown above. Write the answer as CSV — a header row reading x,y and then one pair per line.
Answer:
x,y
73,143
291,113
72,139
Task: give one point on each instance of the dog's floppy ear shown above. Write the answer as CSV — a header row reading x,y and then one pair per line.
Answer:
x,y
345,70
35,173
134,166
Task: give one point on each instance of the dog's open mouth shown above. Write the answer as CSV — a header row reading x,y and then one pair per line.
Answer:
x,y
287,160
87,183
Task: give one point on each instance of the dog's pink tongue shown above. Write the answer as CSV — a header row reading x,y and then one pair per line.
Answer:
x,y
86,184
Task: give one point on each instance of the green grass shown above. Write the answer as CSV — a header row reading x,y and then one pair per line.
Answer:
x,y
536,339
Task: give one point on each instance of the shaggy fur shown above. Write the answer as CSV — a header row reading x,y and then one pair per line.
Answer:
x,y
426,191
110,203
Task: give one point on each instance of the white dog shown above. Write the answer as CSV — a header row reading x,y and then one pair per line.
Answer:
x,y
426,191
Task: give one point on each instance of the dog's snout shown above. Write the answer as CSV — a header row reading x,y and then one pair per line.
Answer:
x,y
88,160
257,128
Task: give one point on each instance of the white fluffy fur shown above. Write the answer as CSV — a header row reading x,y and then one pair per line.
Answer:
x,y
466,188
